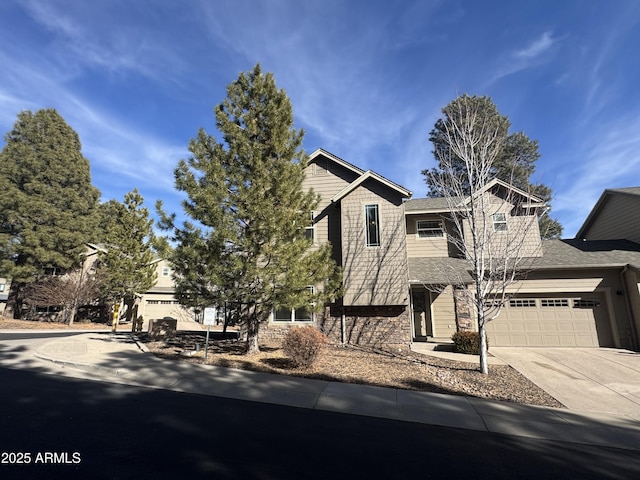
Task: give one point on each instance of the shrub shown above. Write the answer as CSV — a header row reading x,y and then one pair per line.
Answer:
x,y
467,342
303,344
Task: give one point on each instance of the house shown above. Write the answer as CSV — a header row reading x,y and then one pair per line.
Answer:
x,y
5,284
159,301
405,280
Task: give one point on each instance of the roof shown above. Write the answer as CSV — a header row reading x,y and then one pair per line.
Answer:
x,y
446,204
593,214
575,253
428,205
557,254
439,271
336,159
369,174
362,176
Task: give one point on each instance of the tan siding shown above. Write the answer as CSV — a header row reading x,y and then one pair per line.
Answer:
x,y
326,180
443,313
373,275
522,238
619,218
424,247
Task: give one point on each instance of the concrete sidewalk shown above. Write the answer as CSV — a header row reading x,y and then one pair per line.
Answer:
x,y
119,358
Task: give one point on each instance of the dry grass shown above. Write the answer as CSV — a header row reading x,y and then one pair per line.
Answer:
x,y
356,365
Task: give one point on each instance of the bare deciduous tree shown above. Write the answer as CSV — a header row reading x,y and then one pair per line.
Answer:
x,y
492,223
69,291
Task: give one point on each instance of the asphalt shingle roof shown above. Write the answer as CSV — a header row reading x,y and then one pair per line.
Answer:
x,y
557,254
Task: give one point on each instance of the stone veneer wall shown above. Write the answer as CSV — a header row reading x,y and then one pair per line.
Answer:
x,y
465,318
381,327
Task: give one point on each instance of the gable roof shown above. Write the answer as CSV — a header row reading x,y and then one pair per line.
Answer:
x,y
349,166
363,176
604,197
444,204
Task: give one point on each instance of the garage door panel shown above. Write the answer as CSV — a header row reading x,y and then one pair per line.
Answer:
x,y
552,321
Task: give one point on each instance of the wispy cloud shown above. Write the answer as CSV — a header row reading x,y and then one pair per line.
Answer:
x,y
537,47
531,55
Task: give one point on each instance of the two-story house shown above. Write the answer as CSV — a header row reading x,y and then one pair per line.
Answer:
x,y
405,278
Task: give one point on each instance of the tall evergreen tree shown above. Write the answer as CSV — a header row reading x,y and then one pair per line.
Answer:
x,y
127,267
515,162
248,244
47,201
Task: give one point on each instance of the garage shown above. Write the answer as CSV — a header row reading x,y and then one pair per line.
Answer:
x,y
573,320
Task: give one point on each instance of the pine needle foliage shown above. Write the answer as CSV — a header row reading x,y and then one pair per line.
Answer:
x,y
514,163
245,244
47,201
127,267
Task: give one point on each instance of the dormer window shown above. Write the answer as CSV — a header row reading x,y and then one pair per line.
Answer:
x,y
500,222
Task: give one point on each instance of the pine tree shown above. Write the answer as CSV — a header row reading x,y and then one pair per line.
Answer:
x,y
514,164
127,268
247,244
47,201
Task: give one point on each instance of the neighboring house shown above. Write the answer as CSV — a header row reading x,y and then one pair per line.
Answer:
x,y
159,301
616,215
403,274
5,284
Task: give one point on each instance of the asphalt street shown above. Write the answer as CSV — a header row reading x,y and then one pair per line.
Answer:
x,y
74,428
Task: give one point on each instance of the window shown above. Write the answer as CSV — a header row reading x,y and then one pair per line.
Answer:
x,y
522,303
554,302
310,231
372,226
500,222
585,303
54,271
166,271
429,228
2,287
283,314
153,302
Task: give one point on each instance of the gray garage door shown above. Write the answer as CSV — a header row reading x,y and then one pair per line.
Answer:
x,y
552,321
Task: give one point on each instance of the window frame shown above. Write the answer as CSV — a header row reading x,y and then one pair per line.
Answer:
x,y
439,228
292,313
372,242
310,230
499,225
166,271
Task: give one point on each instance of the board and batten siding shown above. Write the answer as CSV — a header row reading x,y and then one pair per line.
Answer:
x,y
618,218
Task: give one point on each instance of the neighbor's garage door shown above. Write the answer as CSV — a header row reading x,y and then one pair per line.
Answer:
x,y
558,321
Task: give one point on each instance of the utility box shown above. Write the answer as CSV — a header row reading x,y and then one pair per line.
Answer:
x,y
163,327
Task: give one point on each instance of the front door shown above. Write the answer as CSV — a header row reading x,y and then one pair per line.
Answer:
x,y
420,300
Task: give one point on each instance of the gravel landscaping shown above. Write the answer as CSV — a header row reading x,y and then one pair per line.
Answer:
x,y
348,364
352,364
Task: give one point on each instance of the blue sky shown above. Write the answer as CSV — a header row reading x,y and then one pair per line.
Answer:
x,y
367,80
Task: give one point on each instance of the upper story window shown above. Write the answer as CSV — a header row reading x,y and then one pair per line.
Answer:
x,y
429,228
372,225
310,230
166,271
500,222
2,287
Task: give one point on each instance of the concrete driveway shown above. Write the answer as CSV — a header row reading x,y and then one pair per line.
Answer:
x,y
602,380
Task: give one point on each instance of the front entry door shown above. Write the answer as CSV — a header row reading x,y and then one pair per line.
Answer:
x,y
421,314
